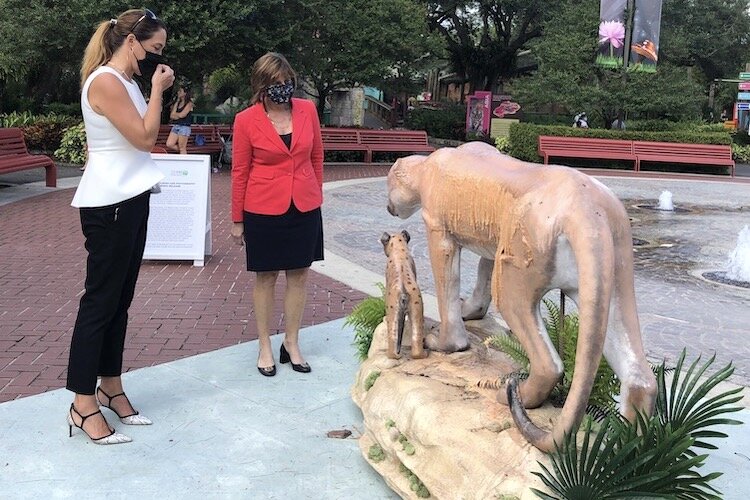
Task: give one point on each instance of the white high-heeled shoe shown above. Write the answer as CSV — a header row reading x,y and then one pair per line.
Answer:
x,y
113,437
133,419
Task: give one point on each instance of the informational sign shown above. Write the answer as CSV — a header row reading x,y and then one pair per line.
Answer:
x,y
179,224
745,76
743,105
743,96
744,86
478,113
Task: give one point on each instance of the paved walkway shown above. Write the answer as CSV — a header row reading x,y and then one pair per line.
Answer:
x,y
224,432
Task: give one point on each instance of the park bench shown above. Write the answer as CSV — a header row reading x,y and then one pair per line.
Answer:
x,y
410,141
213,143
637,151
342,139
674,152
14,156
586,147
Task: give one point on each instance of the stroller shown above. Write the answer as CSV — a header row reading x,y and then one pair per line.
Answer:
x,y
224,132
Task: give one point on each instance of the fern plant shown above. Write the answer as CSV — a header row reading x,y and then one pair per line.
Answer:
x,y
653,457
606,384
364,318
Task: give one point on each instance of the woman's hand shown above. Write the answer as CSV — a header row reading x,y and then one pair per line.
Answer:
x,y
163,77
238,233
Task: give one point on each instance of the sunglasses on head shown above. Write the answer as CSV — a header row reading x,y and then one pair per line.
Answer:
x,y
146,14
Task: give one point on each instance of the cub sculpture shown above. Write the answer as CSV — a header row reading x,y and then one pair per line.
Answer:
x,y
402,296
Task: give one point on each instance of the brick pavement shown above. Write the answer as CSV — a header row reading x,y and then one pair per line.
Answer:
x,y
178,311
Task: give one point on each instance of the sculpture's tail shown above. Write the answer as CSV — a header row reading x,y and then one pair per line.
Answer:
x,y
403,302
595,282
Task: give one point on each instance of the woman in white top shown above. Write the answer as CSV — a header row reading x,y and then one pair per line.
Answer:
x,y
113,198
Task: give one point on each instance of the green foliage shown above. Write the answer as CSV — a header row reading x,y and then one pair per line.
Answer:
x,y
524,137
415,484
444,123
59,108
376,453
227,82
502,144
370,380
73,145
652,457
606,384
16,119
389,423
41,132
365,317
483,38
741,154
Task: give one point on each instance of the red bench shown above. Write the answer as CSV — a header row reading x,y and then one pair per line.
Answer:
x,y
14,156
637,151
411,141
676,152
586,147
213,143
343,139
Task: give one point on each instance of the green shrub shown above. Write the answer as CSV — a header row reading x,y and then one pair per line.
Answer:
x,y
741,154
444,123
16,119
502,144
365,317
524,137
47,131
59,108
653,457
73,145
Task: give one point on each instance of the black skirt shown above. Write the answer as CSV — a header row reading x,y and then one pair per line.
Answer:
x,y
293,240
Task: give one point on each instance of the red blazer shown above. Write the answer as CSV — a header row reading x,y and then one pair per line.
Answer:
x,y
266,175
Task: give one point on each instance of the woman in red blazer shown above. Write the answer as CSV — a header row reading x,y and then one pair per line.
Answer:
x,y
277,191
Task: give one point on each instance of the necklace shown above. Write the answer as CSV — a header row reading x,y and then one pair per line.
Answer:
x,y
125,75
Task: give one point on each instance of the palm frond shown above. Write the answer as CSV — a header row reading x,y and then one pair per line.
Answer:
x,y
364,318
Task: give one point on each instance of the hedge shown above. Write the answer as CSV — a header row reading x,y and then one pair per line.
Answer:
x,y
524,137
445,123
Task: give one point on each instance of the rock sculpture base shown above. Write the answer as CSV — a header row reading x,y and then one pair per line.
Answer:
x,y
438,418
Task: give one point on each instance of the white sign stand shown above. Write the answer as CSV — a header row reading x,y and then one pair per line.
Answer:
x,y
179,224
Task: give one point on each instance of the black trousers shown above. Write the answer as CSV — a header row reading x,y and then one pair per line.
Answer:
x,y
115,239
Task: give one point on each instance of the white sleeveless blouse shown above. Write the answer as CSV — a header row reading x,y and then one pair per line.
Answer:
x,y
116,170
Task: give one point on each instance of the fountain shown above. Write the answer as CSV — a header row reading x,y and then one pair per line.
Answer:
x,y
665,201
739,259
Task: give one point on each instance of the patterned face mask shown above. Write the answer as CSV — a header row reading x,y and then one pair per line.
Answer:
x,y
280,93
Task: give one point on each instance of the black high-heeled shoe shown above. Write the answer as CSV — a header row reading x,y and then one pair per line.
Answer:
x,y
113,437
268,371
285,358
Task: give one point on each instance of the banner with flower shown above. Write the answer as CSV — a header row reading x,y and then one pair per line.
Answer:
x,y
611,33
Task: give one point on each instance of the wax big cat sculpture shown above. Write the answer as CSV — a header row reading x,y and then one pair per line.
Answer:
x,y
545,227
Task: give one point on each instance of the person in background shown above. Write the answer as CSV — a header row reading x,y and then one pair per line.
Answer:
x,y
277,192
181,115
113,198
619,122
581,121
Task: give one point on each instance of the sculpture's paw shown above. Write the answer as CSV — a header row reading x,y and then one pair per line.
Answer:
x,y
435,343
392,354
473,310
419,353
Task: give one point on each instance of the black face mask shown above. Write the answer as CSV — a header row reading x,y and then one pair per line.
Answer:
x,y
147,65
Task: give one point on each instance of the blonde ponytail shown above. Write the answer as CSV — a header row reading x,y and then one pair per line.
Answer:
x,y
97,52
